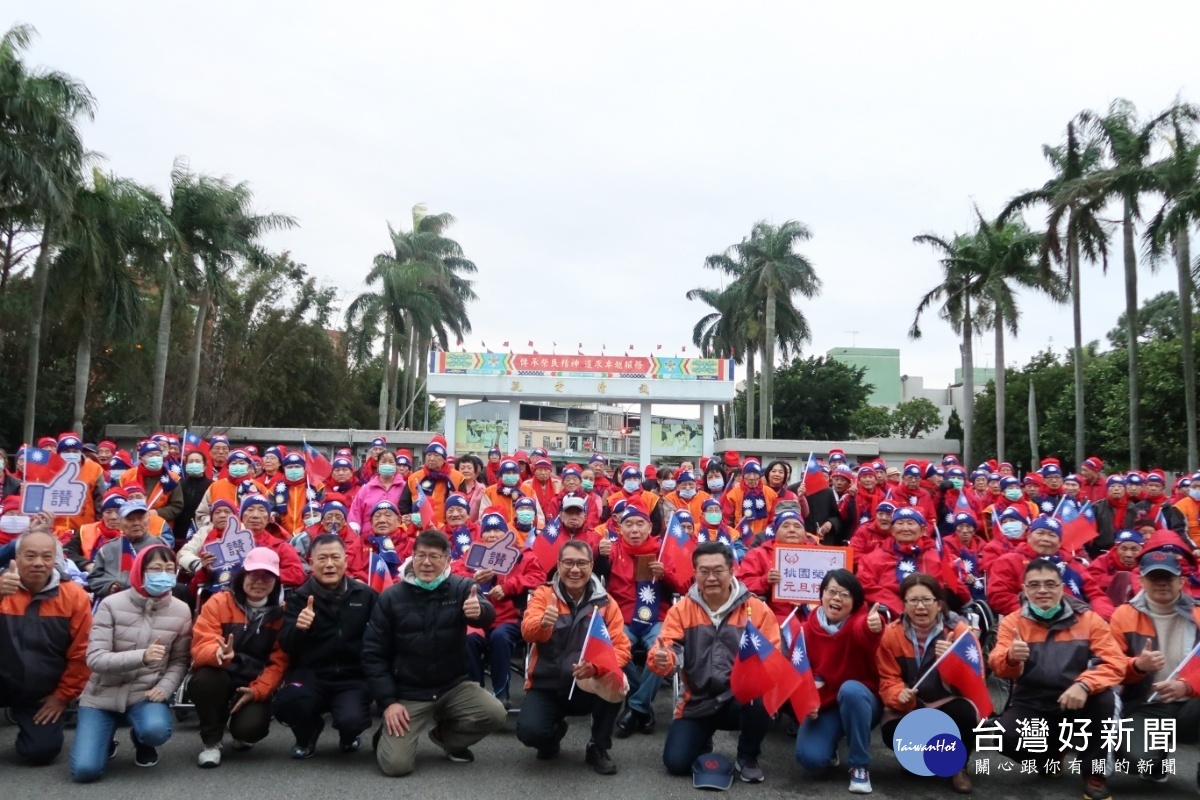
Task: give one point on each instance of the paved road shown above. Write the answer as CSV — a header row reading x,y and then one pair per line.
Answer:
x,y
505,769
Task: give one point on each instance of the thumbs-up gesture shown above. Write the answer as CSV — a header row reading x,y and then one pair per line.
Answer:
x,y
942,645
154,654
875,619
10,581
1018,651
304,619
662,659
550,615
471,607
605,546
1149,660
224,649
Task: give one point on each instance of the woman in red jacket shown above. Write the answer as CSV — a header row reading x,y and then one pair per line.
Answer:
x,y
757,570
495,645
883,570
842,638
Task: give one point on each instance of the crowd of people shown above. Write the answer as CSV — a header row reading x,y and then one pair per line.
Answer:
x,y
360,590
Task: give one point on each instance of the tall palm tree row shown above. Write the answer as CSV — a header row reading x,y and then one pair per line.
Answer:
x,y
756,312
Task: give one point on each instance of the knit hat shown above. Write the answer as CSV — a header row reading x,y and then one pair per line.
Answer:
x,y
524,502
148,447
684,476
1114,479
218,438
492,521
508,465
912,470
1134,479
113,498
965,518
340,463
384,505
1128,536
837,454
1009,482
1013,513
344,452
47,442
842,471
238,455
865,470
69,441
635,508
222,504
403,458
458,500
1047,524
435,448
10,503
254,500
784,516
752,467
956,472
684,516
1156,476
710,503
1071,478
1093,462
494,450
908,512
596,458
630,473
543,463
886,506
732,459
379,441
979,473
276,450
949,460
651,472
571,470
333,505
293,460
1051,469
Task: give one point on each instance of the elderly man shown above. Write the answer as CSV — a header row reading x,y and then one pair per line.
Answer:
x,y
704,630
1045,648
110,567
438,480
415,659
1157,630
44,628
322,634
556,623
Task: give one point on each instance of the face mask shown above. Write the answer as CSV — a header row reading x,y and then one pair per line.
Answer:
x,y
194,469
712,518
1049,613
116,474
588,485
510,479
294,473
387,470
957,483
416,518
687,494
312,520
1012,530
716,484
1194,494
1012,494
668,486
238,470
153,463
525,517
157,584
631,486
14,523
429,585
72,456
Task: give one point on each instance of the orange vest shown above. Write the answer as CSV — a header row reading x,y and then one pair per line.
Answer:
x,y
437,497
88,536
734,498
89,472
155,496
499,504
227,491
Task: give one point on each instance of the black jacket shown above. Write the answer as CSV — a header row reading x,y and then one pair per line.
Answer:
x,y
823,507
1108,525
416,645
332,647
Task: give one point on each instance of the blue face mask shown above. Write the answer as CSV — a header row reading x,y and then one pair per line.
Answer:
x,y
294,473
687,494
387,470
72,456
238,470
631,485
1012,530
430,585
525,517
153,463
716,484
668,486
1013,494
510,479
157,584
712,518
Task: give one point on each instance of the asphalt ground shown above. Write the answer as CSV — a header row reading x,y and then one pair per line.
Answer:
x,y
505,769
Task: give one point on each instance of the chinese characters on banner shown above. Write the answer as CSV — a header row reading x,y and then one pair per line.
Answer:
x,y
801,568
1038,747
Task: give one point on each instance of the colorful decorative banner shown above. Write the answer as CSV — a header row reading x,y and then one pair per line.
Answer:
x,y
534,365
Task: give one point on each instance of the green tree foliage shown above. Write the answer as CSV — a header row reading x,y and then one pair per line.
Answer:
x,y
954,426
815,398
1158,318
871,422
913,418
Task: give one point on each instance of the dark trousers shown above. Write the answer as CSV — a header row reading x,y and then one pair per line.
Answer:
x,y
960,710
303,698
543,709
1187,726
688,737
496,647
213,693
1097,708
37,745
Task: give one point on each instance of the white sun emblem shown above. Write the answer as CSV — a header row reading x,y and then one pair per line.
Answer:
x,y
797,656
912,501
603,633
754,640
760,503
972,654
907,567
647,594
723,539
1073,586
950,518
1047,507
463,538
968,567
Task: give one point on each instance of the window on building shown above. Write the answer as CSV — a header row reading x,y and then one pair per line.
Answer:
x,y
528,440
546,442
558,443
633,447
574,442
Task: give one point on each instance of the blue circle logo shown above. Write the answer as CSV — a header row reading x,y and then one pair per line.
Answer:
x,y
926,743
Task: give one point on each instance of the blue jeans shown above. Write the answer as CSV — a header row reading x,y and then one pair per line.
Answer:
x,y
151,723
687,738
858,710
497,645
644,686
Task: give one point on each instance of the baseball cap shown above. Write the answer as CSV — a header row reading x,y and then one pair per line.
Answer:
x,y
263,558
1160,560
133,507
712,771
574,501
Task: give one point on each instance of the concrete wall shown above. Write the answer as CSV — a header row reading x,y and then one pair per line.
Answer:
x,y
327,440
796,451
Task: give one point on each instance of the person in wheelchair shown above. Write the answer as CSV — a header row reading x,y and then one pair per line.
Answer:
x,y
494,645
1117,570
1044,541
910,551
1045,648
910,646
757,570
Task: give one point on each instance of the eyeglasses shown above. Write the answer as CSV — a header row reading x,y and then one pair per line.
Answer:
x,y
920,601
837,594
429,556
715,572
1034,586
567,566
158,569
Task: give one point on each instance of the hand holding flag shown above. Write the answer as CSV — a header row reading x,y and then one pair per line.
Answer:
x,y
815,479
960,666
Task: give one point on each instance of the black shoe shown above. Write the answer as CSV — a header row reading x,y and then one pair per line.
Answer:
x,y
308,749
504,700
112,749
551,753
143,754
646,723
600,760
375,739
627,723
350,746
463,756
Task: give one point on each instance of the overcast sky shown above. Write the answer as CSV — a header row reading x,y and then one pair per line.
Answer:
x,y
595,153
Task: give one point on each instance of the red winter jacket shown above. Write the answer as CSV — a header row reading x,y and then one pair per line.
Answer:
x,y
921,500
878,574
752,572
618,571
1007,575
867,538
848,655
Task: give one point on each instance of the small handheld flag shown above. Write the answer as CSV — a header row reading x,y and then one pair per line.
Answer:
x,y
815,479
598,647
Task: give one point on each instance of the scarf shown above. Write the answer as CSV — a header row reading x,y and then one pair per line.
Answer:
x,y
967,563
383,547
829,627
754,503
104,535
721,534
168,478
613,528
646,594
493,473
511,492
344,489
544,494
461,538
283,494
907,560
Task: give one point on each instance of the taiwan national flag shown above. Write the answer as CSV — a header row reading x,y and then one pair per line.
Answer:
x,y
42,465
1078,524
318,466
961,669
1189,670
815,478
192,443
127,555
598,647
379,577
804,697
545,544
760,670
678,547
422,506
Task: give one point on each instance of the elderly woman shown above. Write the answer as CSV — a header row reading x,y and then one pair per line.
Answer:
x,y
910,646
882,570
138,654
757,570
237,657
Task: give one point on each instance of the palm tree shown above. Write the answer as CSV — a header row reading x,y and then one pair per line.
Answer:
x,y
1074,207
41,155
961,285
1127,144
1178,182
1010,257
717,335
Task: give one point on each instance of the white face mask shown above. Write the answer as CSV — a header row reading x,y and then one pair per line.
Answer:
x,y
668,485
1012,530
14,523
1194,494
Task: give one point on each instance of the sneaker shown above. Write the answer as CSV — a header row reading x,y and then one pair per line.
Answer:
x,y
860,780
112,749
463,756
144,755
242,747
600,760
350,746
210,757
1096,788
308,749
749,771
